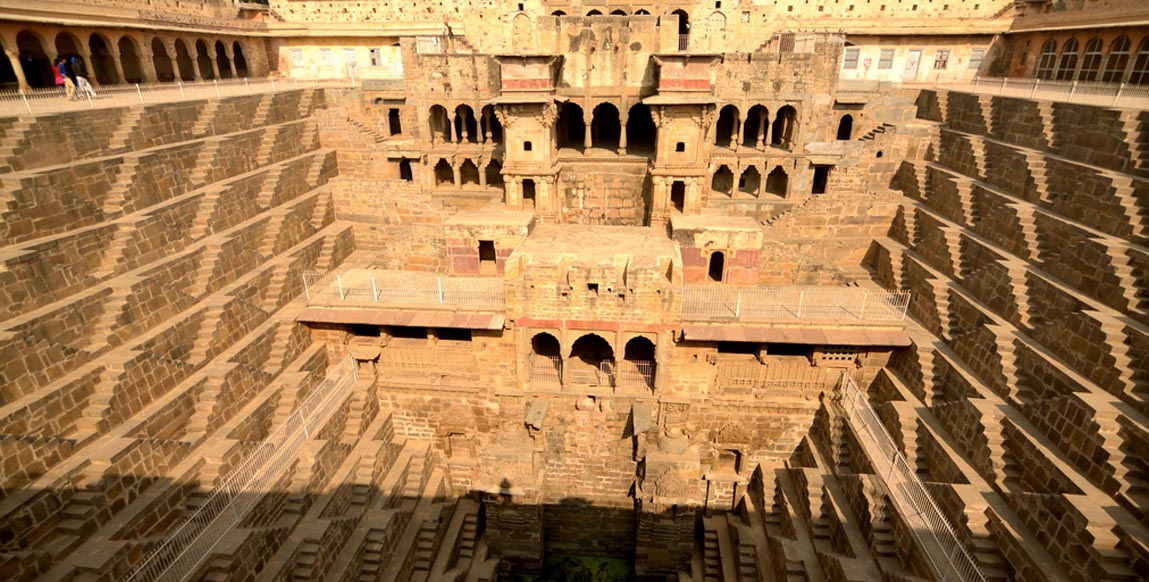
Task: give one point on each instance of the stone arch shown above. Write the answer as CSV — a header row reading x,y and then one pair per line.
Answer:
x,y
716,30
444,174
558,13
638,365
678,195
571,127
1067,64
716,266
605,127
683,23
726,128
642,12
469,173
595,12
641,132
184,63
222,61
466,128
521,32
240,59
165,72
1117,60
618,12
203,60
492,128
66,45
545,359
845,127
102,66
785,124
723,180
750,181
1047,60
754,128
38,68
405,172
778,182
130,60
439,124
494,174
590,361
1140,73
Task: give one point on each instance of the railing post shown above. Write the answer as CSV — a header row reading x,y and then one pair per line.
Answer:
x,y
88,95
306,287
738,305
139,94
246,85
339,279
439,281
801,297
216,83
1036,84
374,290
24,98
1117,97
1072,90
181,86
862,311
273,84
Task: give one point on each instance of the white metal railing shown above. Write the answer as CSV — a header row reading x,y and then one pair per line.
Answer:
x,y
427,359
545,369
180,554
943,549
724,302
1123,95
403,288
600,373
638,374
746,375
15,103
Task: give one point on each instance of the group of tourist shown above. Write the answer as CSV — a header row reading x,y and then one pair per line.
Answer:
x,y
72,80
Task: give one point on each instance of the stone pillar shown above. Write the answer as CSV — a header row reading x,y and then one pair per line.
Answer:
x,y
486,129
464,134
514,192
736,131
86,54
543,195
193,54
14,60
118,61
483,175
148,64
761,130
227,50
587,142
622,135
692,202
458,175
762,180
451,127
211,54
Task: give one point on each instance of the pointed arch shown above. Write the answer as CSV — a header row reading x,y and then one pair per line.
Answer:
x,y
605,128
102,65
641,132
222,61
845,127
753,129
1090,60
778,182
38,69
439,124
444,174
723,180
571,126
466,128
726,129
239,58
130,60
785,125
203,60
1140,73
750,181
1067,64
184,64
165,72
1117,60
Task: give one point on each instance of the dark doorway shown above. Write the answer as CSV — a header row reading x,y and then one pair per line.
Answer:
x,y
7,73
165,72
678,195
571,127
405,173
240,60
528,193
723,181
444,175
394,124
726,132
749,182
777,182
821,179
469,173
754,128
130,61
846,127
717,266
37,67
605,129
641,133
204,61
466,128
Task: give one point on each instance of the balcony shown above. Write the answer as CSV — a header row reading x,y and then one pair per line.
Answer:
x,y
628,376
724,303
403,289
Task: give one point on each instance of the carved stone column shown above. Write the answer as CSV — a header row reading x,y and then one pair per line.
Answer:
x,y
214,63
14,60
622,135
118,61
761,130
587,141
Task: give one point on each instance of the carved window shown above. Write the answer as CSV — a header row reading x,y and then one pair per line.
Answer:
x,y
1090,61
1048,59
376,57
1067,66
1117,60
976,56
942,59
297,57
327,57
1140,74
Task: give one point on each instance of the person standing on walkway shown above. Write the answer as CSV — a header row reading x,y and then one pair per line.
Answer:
x,y
83,87
58,70
63,70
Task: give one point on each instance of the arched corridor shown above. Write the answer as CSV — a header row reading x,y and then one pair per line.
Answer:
x,y
726,129
469,173
130,60
784,126
545,359
750,181
239,59
571,127
439,125
67,46
165,72
492,129
777,182
8,79
34,61
641,133
605,128
203,61
723,181
103,66
754,129
637,368
184,62
716,270
590,362
222,62
466,129
444,174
